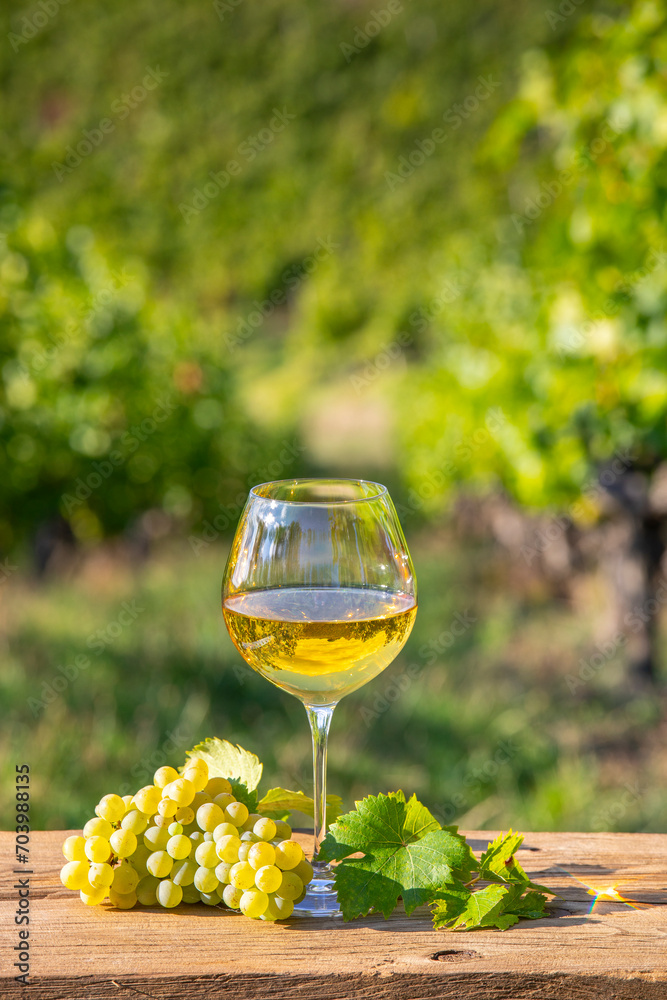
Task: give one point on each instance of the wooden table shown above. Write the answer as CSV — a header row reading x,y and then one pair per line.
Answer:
x,y
617,950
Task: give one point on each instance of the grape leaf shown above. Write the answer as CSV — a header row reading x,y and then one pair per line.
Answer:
x,y
228,761
406,853
493,906
499,863
281,800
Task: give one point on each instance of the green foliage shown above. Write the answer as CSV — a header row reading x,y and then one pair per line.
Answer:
x,y
128,275
406,853
282,802
560,317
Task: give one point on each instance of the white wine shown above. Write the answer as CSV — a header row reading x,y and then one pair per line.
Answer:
x,y
319,643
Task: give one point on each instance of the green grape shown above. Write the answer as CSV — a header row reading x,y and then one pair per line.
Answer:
x,y
223,800
248,837
235,813
167,808
100,875
92,896
179,847
135,821
147,799
222,872
208,836
227,848
122,900
191,893
98,827
231,895
242,875
197,779
305,871
123,842
283,830
197,837
206,880
111,807
254,903
174,829
269,878
265,828
217,785
159,864
184,815
224,830
74,848
290,887
162,821
169,894
147,890
206,854
183,873
278,909
244,850
156,838
164,775
125,878
199,800
198,766
288,854
181,791
97,849
140,857
211,898
209,816
261,854
250,822
128,802
74,875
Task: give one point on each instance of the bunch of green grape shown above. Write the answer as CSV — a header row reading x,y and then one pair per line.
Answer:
x,y
185,838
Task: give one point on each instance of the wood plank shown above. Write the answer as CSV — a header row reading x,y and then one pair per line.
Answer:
x,y
616,950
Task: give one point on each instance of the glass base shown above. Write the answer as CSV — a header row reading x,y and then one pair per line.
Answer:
x,y
320,899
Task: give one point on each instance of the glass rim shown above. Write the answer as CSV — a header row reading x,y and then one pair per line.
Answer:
x,y
382,491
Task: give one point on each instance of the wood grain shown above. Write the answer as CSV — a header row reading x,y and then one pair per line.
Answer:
x,y
617,950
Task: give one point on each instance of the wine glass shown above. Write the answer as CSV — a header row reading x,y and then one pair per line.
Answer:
x,y
319,596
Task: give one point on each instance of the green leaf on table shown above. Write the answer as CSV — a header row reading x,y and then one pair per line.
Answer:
x,y
406,853
498,862
282,802
481,909
228,761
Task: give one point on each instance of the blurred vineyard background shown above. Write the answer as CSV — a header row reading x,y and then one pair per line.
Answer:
x,y
411,241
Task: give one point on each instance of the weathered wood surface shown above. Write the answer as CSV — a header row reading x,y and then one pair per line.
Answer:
x,y
617,950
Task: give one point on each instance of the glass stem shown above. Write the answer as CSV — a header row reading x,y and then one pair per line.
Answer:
x,y
319,718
